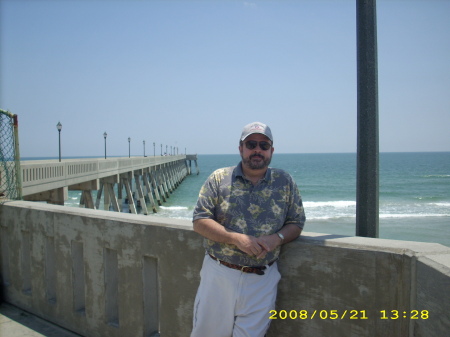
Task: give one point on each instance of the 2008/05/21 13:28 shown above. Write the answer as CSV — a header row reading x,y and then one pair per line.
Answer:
x,y
350,314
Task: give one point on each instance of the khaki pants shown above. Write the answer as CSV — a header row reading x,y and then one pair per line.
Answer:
x,y
232,303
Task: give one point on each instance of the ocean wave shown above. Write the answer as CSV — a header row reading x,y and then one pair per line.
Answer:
x,y
413,215
443,204
335,204
329,217
436,176
174,207
427,198
340,217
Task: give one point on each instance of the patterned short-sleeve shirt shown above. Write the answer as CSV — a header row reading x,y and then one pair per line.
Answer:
x,y
263,209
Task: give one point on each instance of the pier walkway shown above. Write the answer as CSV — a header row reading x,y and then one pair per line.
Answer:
x,y
15,322
142,179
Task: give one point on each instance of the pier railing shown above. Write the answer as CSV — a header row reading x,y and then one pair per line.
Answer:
x,y
101,273
142,178
43,175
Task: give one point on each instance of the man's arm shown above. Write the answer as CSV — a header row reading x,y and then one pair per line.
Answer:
x,y
214,231
290,233
270,242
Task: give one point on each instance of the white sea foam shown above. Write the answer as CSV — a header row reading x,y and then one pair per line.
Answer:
x,y
341,210
173,207
310,216
413,215
442,204
336,204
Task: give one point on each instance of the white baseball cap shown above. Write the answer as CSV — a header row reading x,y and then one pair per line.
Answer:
x,y
256,127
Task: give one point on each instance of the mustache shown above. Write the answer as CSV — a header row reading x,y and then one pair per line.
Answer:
x,y
256,155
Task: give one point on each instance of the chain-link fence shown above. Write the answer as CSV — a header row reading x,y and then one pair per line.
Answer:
x,y
10,177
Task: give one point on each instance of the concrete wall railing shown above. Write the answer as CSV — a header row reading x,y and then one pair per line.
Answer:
x,y
102,273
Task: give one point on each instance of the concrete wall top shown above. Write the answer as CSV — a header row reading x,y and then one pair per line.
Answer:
x,y
410,248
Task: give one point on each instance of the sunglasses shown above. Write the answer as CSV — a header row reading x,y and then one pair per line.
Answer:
x,y
252,144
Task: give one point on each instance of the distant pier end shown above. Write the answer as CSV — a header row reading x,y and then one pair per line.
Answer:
x,y
189,159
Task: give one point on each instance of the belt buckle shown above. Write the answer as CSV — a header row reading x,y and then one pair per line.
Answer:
x,y
257,271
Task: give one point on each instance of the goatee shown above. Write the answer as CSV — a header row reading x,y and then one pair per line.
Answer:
x,y
256,165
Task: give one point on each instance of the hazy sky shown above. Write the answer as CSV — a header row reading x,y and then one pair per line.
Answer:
x,y
191,74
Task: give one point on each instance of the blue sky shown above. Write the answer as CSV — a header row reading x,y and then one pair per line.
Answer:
x,y
191,74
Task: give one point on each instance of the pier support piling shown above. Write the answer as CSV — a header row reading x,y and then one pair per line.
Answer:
x,y
137,179
127,185
149,191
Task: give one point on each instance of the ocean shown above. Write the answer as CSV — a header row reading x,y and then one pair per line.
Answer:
x,y
414,192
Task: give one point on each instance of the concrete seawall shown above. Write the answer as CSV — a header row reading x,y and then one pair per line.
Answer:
x,y
102,273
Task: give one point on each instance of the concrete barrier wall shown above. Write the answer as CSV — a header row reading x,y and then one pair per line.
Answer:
x,y
102,273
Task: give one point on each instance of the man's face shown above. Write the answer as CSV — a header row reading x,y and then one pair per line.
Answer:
x,y
257,158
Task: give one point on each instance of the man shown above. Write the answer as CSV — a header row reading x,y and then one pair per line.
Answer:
x,y
245,213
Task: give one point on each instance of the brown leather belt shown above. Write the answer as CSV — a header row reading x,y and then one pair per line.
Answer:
x,y
244,269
